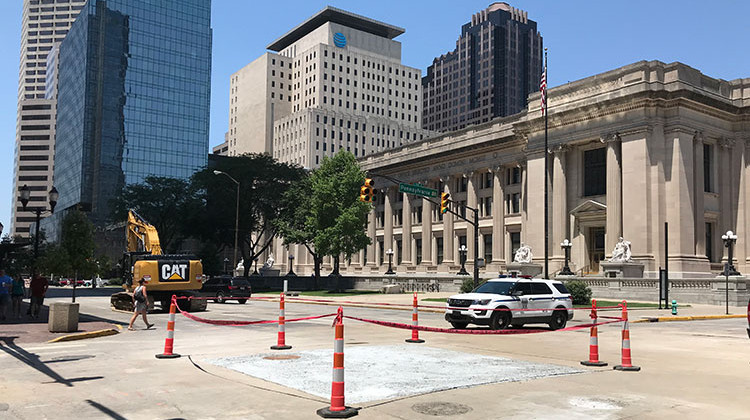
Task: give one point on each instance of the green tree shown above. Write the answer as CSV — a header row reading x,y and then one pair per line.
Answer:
x,y
263,182
55,260
78,242
162,202
294,224
336,215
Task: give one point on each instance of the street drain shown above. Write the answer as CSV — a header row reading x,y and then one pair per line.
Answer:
x,y
70,358
441,409
282,357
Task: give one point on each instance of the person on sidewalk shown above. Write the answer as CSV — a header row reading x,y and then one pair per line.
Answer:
x,y
38,287
140,302
6,283
17,293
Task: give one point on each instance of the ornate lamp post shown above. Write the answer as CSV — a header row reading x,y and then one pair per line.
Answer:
x,y
226,261
729,239
291,271
389,253
566,245
236,214
25,196
255,271
462,250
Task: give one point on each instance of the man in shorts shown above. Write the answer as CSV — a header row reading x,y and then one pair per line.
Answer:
x,y
38,287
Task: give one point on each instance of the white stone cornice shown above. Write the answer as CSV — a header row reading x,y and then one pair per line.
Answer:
x,y
559,148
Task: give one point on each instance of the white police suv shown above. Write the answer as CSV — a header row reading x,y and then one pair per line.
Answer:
x,y
530,301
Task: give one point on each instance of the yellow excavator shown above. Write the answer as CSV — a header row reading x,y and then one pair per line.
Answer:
x,y
166,275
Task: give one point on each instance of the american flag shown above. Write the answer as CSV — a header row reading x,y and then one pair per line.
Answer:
x,y
543,88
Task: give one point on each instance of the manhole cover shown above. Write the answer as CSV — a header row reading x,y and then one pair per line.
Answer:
x,y
282,357
441,409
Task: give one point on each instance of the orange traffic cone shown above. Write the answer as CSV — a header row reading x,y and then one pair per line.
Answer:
x,y
169,341
338,410
415,322
626,361
281,342
593,341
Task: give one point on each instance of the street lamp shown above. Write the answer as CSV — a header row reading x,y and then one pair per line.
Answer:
x,y
729,239
226,261
291,272
566,245
25,196
389,253
236,214
462,250
255,272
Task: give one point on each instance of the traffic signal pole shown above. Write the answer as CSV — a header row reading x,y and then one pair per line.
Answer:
x,y
474,223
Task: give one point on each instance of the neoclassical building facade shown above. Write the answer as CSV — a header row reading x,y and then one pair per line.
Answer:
x,y
632,152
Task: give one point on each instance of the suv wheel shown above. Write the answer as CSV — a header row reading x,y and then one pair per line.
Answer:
x,y
500,320
219,297
241,301
559,318
459,325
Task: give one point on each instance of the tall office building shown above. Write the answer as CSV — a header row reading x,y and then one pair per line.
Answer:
x,y
45,24
133,100
334,82
497,63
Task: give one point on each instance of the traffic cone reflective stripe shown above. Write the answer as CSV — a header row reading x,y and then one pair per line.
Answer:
x,y
338,409
169,341
594,340
415,322
281,341
627,363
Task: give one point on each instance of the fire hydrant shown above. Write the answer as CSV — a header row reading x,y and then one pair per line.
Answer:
x,y
674,306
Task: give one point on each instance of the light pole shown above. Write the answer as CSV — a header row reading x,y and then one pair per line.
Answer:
x,y
462,250
566,245
291,272
389,253
25,196
226,261
236,214
729,239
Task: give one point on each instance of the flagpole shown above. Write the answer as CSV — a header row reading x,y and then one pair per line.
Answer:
x,y
546,175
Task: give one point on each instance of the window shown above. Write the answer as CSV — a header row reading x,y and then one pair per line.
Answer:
x,y
709,242
514,203
488,247
514,176
418,243
439,249
595,172
707,168
538,288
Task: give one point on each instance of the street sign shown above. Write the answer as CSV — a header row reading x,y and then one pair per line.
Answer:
x,y
417,190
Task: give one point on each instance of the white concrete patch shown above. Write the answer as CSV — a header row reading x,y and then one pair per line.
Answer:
x,y
384,372
594,403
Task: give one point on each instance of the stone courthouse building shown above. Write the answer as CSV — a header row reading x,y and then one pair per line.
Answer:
x,y
631,150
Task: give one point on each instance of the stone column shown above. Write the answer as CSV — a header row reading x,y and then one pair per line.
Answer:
x,y
406,254
680,191
524,203
498,216
614,193
699,186
371,253
725,187
559,213
739,162
388,224
471,201
427,231
447,228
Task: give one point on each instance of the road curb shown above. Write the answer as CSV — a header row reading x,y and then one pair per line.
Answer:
x,y
85,335
686,318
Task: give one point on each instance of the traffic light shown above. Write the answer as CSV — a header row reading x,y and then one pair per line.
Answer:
x,y
444,200
367,191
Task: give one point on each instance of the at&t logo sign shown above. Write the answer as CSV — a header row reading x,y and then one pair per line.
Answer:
x,y
339,40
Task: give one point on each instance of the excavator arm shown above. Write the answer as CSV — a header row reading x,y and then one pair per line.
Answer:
x,y
142,236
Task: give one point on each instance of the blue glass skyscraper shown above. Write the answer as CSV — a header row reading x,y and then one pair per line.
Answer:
x,y
133,99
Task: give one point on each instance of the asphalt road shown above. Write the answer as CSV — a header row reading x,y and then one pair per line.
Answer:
x,y
690,369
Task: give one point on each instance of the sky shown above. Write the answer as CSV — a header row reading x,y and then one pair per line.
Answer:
x,y
584,38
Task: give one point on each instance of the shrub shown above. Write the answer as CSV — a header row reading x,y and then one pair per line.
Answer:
x,y
468,285
117,281
579,291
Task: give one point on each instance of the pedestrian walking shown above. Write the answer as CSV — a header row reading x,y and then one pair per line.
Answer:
x,y
6,283
17,293
140,302
38,286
